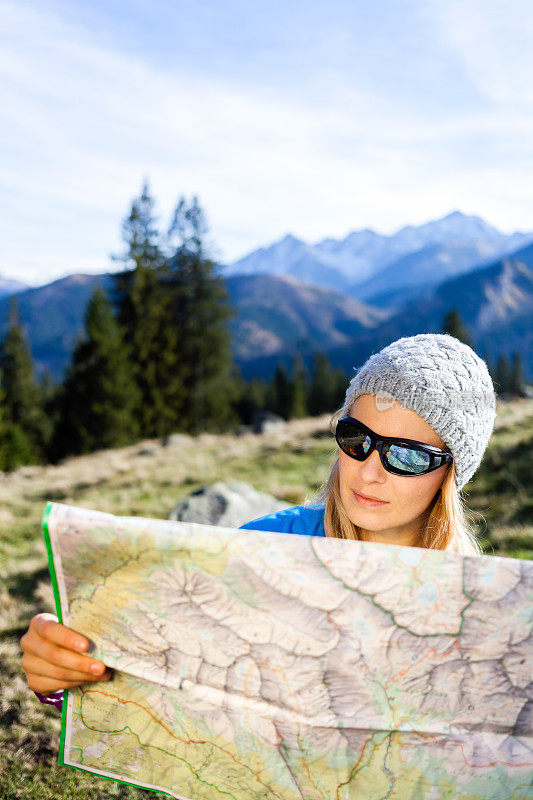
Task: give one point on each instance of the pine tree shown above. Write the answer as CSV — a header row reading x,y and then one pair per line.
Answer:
x,y
282,392
299,390
453,325
143,312
200,313
3,430
327,387
250,396
174,310
140,234
339,384
320,384
487,358
502,376
516,377
100,397
24,422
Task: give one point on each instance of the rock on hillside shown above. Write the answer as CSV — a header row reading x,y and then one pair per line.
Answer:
x,y
227,504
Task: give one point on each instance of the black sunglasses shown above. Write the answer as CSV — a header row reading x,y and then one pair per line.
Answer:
x,y
398,456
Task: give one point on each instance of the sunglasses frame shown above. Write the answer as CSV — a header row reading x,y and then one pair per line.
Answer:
x,y
438,456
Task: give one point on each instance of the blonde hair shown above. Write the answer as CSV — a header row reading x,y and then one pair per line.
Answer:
x,y
446,526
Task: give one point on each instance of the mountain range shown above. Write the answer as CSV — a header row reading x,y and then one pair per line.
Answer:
x,y
346,297
8,287
368,265
495,303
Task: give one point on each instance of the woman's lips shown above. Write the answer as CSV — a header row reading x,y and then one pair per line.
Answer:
x,y
366,502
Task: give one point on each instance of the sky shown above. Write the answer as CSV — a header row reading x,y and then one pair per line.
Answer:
x,y
311,118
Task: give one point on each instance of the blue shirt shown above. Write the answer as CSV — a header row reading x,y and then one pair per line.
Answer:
x,y
298,519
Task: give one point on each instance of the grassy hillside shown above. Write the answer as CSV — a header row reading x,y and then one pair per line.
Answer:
x,y
148,480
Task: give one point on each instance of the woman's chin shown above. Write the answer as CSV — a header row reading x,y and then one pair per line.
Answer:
x,y
366,522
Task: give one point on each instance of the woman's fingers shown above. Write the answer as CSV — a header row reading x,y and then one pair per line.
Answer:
x,y
61,657
38,667
47,627
53,656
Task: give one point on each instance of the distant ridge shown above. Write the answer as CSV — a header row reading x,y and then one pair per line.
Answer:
x,y
421,255
9,287
278,315
495,303
281,315
52,316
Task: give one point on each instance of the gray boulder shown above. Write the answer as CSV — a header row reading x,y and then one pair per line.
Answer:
x,y
148,450
176,440
267,422
228,504
242,430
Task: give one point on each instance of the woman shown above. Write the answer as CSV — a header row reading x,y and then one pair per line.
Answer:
x,y
416,420
430,388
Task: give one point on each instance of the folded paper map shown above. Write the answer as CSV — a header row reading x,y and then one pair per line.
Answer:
x,y
269,666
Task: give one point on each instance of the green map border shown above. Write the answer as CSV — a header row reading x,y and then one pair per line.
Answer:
x,y
53,577
55,587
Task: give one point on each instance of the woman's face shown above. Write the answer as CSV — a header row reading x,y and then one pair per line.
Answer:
x,y
400,518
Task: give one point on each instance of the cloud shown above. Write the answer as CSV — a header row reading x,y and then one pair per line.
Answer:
x,y
492,40
83,123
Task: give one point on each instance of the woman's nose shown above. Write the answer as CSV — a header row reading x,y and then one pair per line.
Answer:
x,y
372,469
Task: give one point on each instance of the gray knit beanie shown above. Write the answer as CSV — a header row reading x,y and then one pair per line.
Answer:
x,y
443,381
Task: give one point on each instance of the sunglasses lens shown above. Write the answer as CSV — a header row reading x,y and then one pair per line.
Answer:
x,y
410,461
355,443
398,459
